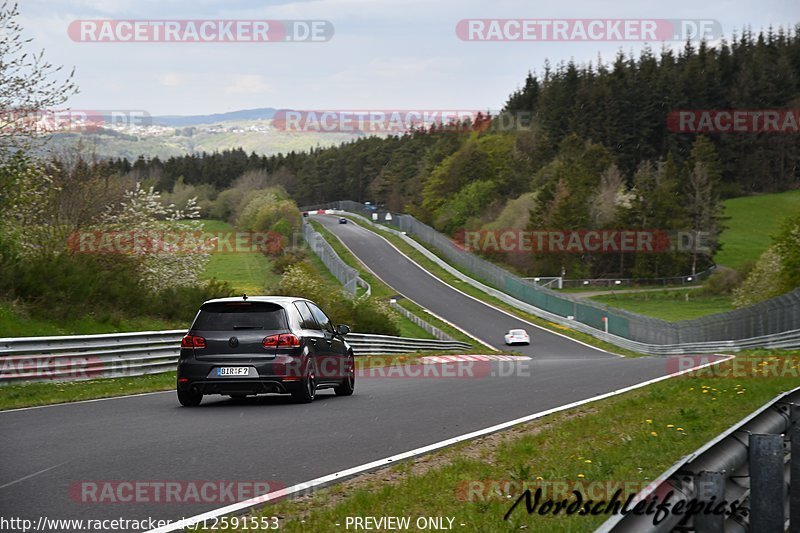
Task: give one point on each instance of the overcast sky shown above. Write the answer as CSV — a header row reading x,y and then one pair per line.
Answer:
x,y
385,54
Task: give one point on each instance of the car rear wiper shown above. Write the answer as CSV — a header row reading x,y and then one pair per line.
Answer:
x,y
248,327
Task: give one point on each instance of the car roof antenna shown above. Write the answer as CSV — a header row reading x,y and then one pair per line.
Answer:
x,y
244,297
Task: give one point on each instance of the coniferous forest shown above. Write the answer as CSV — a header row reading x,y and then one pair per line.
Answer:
x,y
599,154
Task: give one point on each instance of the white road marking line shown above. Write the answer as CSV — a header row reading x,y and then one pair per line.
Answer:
x,y
350,472
32,475
86,401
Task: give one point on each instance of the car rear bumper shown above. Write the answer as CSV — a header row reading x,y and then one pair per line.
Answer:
x,y
199,376
240,386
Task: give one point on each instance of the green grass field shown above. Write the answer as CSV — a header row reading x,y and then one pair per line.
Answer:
x,y
668,305
247,272
753,220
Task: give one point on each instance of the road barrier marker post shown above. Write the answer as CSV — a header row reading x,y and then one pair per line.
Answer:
x,y
794,471
766,483
712,485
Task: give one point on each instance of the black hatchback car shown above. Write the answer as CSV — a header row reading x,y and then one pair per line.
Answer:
x,y
264,344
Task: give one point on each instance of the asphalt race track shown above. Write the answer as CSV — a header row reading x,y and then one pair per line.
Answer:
x,y
49,454
470,315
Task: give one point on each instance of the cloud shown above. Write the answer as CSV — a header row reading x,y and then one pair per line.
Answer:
x,y
248,84
172,79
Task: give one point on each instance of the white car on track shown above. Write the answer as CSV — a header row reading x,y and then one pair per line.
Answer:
x,y
517,336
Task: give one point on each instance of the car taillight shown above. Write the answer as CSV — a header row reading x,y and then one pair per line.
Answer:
x,y
270,342
193,341
286,340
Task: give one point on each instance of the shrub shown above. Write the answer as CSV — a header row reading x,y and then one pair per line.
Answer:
x,y
288,257
763,281
363,316
104,286
723,281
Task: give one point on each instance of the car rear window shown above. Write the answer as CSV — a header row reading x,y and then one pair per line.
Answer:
x,y
220,316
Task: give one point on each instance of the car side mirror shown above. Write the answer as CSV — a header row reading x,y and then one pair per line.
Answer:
x,y
342,329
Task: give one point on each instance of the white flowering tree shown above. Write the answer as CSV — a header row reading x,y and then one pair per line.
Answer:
x,y
27,206
168,242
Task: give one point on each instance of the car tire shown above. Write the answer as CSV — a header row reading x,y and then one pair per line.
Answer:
x,y
349,384
308,385
190,398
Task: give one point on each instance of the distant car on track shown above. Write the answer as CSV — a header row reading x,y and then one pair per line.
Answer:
x,y
517,336
342,220
265,344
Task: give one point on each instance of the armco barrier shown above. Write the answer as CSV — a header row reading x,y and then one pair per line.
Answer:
x,y
751,463
80,357
774,323
430,328
347,275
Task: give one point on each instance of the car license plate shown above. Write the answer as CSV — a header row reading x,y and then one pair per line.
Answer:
x,y
233,371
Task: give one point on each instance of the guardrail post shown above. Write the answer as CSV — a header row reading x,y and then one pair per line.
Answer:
x,y
766,483
709,485
794,471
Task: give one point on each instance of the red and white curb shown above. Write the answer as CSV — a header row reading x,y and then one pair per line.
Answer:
x,y
430,359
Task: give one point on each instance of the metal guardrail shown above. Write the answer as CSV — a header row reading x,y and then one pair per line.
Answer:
x,y
367,344
88,356
573,314
347,275
430,328
81,357
747,463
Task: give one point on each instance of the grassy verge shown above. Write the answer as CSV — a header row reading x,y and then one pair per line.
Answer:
x,y
384,292
50,392
669,305
613,288
751,221
247,272
449,278
652,428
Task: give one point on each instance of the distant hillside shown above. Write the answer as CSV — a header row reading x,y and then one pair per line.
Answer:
x,y
262,113
196,134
